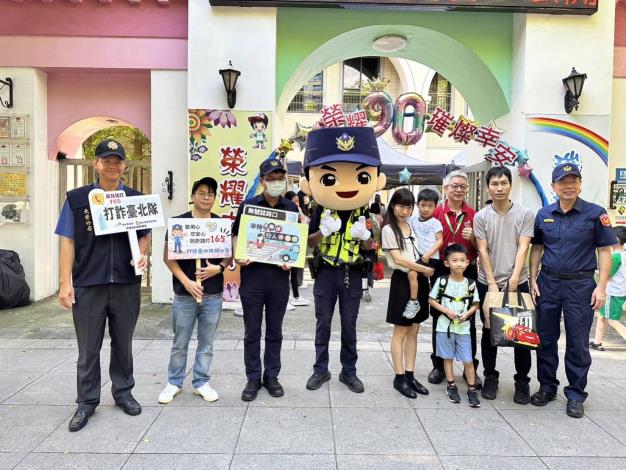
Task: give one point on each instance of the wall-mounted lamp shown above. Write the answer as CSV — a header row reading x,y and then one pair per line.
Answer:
x,y
574,83
168,184
7,82
230,76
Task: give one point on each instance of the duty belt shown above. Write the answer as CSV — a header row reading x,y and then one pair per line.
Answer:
x,y
568,276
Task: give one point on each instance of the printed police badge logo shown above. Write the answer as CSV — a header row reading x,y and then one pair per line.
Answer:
x,y
604,220
345,143
112,145
274,163
567,168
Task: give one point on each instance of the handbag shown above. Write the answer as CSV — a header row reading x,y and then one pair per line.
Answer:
x,y
514,325
379,271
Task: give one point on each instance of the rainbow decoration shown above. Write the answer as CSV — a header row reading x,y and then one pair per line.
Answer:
x,y
595,142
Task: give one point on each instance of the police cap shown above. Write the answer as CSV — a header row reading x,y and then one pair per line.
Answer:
x,y
341,144
110,147
563,170
269,166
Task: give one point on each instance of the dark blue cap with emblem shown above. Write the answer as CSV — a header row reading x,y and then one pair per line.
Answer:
x,y
341,144
268,166
110,147
563,170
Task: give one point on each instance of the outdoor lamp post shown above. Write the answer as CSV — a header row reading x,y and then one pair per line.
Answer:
x,y
7,82
230,77
574,83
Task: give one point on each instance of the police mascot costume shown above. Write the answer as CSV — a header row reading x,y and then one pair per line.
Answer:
x,y
342,174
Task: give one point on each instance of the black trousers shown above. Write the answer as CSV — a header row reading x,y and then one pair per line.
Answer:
x,y
295,275
266,290
329,288
521,356
119,304
471,273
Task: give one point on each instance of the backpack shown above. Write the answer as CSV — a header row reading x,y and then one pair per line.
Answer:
x,y
14,291
441,293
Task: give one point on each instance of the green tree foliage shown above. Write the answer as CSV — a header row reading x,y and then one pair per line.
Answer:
x,y
136,144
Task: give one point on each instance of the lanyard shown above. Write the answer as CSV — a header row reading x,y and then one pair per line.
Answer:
x,y
459,221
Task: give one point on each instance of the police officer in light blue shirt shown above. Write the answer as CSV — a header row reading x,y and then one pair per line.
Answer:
x,y
98,283
567,235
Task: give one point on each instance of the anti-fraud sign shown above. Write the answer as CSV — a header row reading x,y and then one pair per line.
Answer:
x,y
114,211
271,236
198,238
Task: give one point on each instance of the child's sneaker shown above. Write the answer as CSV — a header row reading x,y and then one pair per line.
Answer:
x,y
453,394
472,398
411,309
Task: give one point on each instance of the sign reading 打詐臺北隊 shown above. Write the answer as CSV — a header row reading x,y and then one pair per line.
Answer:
x,y
114,212
573,7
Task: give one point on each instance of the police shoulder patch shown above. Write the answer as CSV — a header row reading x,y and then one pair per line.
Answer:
x,y
604,220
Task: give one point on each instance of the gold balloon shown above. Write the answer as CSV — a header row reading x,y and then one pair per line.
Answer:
x,y
286,145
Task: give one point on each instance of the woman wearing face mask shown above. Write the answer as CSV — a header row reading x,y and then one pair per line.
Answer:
x,y
264,287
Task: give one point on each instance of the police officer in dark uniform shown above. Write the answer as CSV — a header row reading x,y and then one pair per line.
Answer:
x,y
98,282
264,286
342,173
567,235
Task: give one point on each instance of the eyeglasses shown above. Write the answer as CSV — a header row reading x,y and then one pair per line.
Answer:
x,y
206,195
456,187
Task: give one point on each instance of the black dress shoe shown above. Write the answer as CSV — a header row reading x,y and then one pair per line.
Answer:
x,y
418,387
542,398
575,409
250,390
402,386
522,393
273,386
436,376
317,380
353,383
131,407
79,420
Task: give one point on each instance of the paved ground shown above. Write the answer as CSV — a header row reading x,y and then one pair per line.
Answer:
x,y
331,428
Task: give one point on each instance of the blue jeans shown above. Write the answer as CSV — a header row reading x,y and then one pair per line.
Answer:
x,y
185,310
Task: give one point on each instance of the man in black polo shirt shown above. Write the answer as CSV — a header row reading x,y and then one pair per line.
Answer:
x,y
264,286
186,308
98,282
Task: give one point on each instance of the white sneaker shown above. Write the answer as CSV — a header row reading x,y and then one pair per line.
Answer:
x,y
367,295
290,307
206,392
411,309
168,393
238,312
299,302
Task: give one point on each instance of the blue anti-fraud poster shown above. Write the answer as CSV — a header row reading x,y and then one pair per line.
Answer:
x,y
271,236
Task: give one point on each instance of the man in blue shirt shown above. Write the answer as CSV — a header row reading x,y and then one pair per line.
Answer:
x,y
98,282
567,235
264,286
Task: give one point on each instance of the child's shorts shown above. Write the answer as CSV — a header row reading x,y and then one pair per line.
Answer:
x,y
457,347
613,308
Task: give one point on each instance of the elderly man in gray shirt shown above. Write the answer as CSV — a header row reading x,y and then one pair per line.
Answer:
x,y
503,232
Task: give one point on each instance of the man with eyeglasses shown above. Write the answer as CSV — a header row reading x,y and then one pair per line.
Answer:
x,y
186,309
97,281
457,218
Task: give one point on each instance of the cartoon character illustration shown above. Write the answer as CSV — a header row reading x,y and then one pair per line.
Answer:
x,y
177,235
290,255
260,243
258,122
521,334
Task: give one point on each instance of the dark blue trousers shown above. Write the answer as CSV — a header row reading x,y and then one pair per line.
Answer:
x,y
328,288
572,297
263,287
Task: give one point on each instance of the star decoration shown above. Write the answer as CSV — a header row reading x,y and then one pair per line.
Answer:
x,y
300,133
404,176
286,145
522,157
524,170
377,84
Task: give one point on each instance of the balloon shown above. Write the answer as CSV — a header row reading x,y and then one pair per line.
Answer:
x,y
300,133
379,108
404,176
418,114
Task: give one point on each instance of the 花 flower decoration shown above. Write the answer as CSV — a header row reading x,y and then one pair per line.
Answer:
x,y
222,118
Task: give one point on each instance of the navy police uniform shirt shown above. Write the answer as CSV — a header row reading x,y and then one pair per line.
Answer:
x,y
213,285
570,239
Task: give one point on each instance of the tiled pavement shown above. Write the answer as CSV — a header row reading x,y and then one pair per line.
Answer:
x,y
330,428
